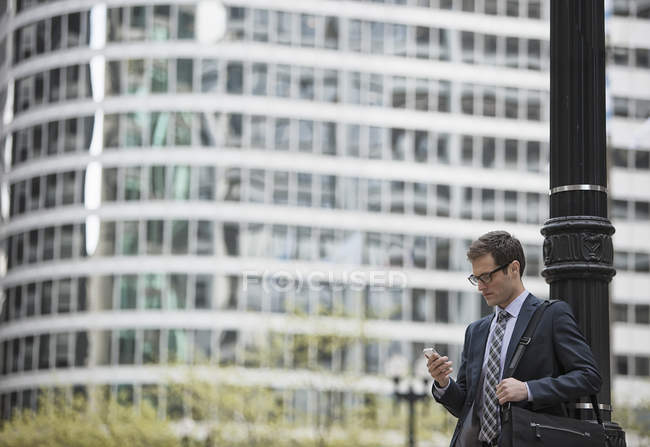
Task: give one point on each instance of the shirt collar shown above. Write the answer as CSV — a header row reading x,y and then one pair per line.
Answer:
x,y
514,307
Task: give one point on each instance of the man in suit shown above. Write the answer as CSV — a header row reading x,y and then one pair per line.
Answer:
x,y
558,365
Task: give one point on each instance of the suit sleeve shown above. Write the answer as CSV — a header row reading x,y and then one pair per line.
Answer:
x,y
453,398
579,375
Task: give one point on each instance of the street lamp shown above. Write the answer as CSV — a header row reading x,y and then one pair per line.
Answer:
x,y
408,389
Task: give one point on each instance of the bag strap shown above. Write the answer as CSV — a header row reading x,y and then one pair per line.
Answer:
x,y
525,341
526,338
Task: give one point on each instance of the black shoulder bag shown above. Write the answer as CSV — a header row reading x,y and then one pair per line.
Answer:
x,y
525,428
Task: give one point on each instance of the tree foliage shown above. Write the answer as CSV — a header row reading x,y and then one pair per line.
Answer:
x,y
82,423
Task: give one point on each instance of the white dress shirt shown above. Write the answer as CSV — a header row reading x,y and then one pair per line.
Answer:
x,y
513,309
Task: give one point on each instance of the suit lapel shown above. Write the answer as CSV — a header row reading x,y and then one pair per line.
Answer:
x,y
525,314
481,341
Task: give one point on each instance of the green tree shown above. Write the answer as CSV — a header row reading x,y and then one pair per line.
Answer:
x,y
82,423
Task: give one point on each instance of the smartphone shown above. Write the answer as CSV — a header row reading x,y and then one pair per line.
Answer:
x,y
428,352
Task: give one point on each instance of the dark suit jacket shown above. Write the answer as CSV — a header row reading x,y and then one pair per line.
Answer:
x,y
558,364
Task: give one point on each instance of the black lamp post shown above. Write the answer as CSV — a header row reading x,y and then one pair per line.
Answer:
x,y
578,250
411,396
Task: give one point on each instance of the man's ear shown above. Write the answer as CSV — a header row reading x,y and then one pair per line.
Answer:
x,y
514,267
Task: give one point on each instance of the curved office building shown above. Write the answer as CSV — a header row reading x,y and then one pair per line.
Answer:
x,y
280,192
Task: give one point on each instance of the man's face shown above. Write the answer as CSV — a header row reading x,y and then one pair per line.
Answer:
x,y
499,290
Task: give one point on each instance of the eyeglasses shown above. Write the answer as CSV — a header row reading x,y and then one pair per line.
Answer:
x,y
486,277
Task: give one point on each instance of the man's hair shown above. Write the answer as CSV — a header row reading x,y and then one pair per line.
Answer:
x,y
501,245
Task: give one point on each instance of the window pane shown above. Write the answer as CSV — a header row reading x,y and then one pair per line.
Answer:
x,y
153,286
128,292
154,237
180,235
177,291
151,346
126,346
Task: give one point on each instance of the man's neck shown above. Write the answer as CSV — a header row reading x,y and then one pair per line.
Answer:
x,y
513,297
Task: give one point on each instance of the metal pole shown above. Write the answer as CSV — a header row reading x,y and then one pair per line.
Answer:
x,y
578,250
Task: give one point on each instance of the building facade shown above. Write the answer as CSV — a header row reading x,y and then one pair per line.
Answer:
x,y
284,191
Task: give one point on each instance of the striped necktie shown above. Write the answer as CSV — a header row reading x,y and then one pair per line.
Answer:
x,y
490,415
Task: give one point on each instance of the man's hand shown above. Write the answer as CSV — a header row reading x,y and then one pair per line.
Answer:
x,y
511,390
439,368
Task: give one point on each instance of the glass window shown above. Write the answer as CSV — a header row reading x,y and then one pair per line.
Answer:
x,y
228,347
177,346
489,152
512,52
306,83
205,238
258,132
399,92
183,129
231,238
128,291
354,88
488,204
533,215
209,75
283,81
202,346
259,80
642,314
135,124
260,25
160,125
186,21
180,235
467,46
157,182
203,292
153,286
43,352
126,347
62,350
161,27
151,346
180,183
467,99
510,206
331,32
641,159
399,39
154,237
307,30
328,138
113,81
137,19
235,80
422,41
533,155
130,238
305,136
64,301
132,183
184,75
304,189
135,77
642,262
377,37
72,81
177,294
354,35
641,366
283,29
46,298
443,254
330,86
282,134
